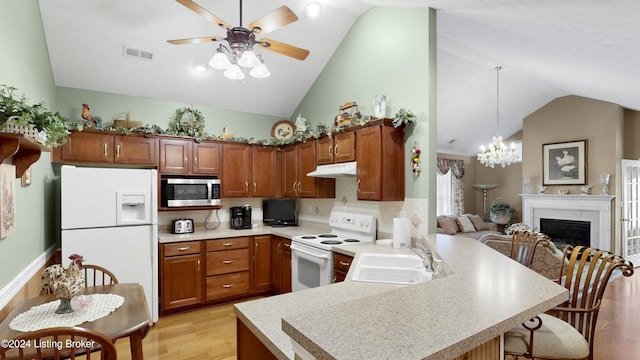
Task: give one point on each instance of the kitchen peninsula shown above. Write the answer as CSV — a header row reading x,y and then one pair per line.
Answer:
x,y
485,295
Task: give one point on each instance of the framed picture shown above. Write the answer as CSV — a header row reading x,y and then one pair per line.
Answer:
x,y
565,163
7,200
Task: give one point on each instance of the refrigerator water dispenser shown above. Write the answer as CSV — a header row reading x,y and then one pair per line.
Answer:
x,y
133,208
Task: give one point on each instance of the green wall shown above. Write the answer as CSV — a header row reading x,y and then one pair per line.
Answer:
x,y
114,106
24,64
388,51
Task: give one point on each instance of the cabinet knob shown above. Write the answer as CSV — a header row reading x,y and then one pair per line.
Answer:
x,y
335,150
226,286
185,161
104,150
118,150
195,161
227,262
330,150
358,185
294,186
287,245
227,244
198,267
246,186
183,248
343,263
255,187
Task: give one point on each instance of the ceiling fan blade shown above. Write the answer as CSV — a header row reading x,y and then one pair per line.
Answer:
x,y
285,49
195,40
274,20
205,13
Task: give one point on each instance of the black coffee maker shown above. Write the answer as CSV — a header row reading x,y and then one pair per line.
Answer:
x,y
241,217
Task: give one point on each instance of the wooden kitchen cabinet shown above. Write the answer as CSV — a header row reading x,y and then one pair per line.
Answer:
x,y
180,275
341,265
298,160
281,264
249,170
261,264
227,264
380,157
336,149
98,147
187,157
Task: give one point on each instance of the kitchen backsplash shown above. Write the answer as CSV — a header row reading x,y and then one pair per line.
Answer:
x,y
315,210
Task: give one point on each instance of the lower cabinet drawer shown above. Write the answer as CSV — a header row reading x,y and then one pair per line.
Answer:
x,y
223,262
222,286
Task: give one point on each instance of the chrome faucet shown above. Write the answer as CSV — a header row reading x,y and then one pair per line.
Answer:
x,y
427,258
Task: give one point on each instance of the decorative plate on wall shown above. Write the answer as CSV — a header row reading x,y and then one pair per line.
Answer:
x,y
283,129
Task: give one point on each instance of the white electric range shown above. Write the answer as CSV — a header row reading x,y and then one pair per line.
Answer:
x,y
311,255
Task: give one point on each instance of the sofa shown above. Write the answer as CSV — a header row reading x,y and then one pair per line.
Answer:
x,y
468,225
546,261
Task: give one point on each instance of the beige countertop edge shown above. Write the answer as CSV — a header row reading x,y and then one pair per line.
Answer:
x,y
204,234
465,326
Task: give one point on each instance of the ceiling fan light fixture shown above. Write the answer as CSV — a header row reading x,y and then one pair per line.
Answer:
x,y
234,72
220,61
248,59
260,71
313,9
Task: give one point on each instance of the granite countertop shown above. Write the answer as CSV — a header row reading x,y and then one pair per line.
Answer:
x,y
486,294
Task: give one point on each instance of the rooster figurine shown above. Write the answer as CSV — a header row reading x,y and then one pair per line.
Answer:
x,y
64,283
94,121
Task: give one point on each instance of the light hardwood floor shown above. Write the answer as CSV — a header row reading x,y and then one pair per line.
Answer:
x,y
211,333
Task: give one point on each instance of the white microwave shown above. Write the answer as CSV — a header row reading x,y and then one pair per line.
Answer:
x,y
180,192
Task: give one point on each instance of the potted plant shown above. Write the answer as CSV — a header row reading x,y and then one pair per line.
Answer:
x,y
16,111
500,213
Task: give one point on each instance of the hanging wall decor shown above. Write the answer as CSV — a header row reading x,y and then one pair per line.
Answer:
x,y
7,200
415,159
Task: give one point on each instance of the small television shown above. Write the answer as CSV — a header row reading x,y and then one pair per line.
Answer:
x,y
279,212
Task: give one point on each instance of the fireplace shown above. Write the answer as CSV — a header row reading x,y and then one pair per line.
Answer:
x,y
567,232
594,209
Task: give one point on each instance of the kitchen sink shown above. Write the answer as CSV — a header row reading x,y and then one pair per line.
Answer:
x,y
391,269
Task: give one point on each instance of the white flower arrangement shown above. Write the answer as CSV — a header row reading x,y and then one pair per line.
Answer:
x,y
518,227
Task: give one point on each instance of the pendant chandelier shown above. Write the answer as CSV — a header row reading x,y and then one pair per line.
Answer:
x,y
497,153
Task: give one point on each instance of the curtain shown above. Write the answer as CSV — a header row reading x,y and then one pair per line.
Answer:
x,y
457,169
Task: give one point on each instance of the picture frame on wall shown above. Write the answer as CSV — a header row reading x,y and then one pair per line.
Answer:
x,y
565,163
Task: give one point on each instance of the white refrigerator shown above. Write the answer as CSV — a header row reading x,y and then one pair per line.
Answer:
x,y
110,217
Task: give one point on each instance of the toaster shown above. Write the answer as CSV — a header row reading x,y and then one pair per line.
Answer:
x,y
182,226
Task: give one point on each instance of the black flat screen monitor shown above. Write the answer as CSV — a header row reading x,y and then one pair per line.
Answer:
x,y
279,212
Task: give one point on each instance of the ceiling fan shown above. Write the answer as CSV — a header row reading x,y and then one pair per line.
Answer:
x,y
241,40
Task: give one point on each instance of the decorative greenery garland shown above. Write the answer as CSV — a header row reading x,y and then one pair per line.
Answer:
x,y
187,121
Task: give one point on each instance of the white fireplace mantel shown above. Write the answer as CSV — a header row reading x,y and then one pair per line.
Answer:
x,y
593,208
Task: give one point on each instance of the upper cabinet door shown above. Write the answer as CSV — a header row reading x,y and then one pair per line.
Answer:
x,y
135,150
236,170
265,179
369,154
344,147
290,171
206,158
324,150
85,146
175,155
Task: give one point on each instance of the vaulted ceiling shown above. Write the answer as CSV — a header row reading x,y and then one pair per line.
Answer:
x,y
547,48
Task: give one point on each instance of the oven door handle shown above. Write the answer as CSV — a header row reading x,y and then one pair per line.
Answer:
x,y
315,255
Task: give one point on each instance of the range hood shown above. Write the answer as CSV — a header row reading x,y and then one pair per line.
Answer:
x,y
334,170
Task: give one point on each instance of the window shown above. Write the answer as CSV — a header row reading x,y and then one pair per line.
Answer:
x,y
444,193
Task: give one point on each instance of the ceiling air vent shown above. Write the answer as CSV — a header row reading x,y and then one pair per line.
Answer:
x,y
137,53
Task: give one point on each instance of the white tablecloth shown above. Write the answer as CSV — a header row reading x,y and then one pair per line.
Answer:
x,y
87,308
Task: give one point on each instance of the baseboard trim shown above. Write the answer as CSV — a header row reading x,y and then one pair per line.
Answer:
x,y
14,286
